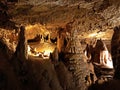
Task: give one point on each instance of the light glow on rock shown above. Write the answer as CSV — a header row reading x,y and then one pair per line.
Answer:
x,y
45,54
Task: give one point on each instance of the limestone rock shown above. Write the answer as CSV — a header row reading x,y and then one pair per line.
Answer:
x,y
74,61
64,76
6,48
21,49
55,56
20,56
115,51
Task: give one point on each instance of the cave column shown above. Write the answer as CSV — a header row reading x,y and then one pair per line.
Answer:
x,y
74,58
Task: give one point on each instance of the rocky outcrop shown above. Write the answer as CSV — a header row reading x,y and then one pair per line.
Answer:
x,y
115,51
6,48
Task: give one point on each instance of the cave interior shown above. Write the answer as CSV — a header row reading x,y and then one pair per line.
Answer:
x,y
59,44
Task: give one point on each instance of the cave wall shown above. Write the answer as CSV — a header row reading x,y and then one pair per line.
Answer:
x,y
115,50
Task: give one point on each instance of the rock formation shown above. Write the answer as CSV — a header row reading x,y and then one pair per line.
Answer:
x,y
6,48
74,59
20,56
21,49
55,56
115,51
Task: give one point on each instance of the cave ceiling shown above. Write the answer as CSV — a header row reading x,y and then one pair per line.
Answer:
x,y
92,18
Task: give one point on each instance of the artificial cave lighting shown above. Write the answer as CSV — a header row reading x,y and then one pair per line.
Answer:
x,y
97,35
106,59
39,44
43,54
100,34
92,35
47,52
36,29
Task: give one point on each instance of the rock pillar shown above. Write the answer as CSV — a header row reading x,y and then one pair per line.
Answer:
x,y
21,49
74,60
115,51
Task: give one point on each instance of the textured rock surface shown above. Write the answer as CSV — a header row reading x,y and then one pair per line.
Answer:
x,y
75,61
5,21
100,9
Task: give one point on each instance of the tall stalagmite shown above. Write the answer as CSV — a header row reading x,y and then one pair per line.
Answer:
x,y
75,60
20,56
21,50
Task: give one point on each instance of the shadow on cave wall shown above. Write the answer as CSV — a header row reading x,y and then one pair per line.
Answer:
x,y
8,25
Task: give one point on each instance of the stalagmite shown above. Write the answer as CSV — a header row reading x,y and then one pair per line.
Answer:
x,y
18,60
74,59
54,56
21,49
